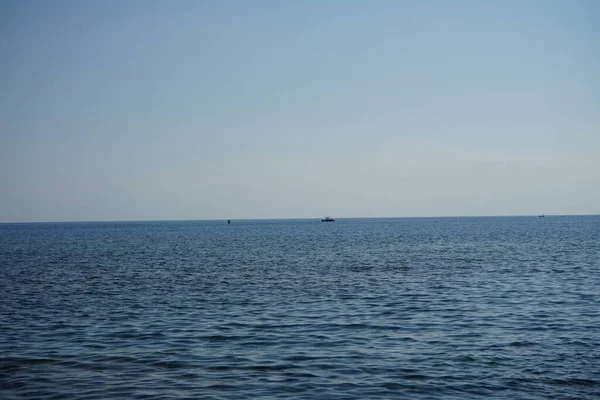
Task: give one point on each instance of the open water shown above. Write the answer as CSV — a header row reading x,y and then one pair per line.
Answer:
x,y
452,308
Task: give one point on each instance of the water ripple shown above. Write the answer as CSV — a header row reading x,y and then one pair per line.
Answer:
x,y
394,308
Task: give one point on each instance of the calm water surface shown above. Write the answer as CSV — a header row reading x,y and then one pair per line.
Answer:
x,y
453,308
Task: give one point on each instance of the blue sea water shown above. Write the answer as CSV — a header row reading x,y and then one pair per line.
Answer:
x,y
452,308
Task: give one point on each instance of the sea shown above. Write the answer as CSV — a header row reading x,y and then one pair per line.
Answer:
x,y
389,308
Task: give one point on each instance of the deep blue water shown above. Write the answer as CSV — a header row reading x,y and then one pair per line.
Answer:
x,y
453,308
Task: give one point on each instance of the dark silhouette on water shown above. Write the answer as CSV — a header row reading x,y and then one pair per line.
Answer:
x,y
328,219
229,221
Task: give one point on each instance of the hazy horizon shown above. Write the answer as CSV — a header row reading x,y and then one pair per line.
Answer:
x,y
314,218
197,110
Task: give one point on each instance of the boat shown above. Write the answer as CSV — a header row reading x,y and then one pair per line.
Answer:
x,y
328,219
541,216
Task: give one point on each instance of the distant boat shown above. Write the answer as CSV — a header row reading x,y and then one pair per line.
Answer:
x,y
541,216
328,219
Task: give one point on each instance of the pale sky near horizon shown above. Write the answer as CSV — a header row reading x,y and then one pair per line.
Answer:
x,y
154,110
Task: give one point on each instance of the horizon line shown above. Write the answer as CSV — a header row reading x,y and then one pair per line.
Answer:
x,y
293,218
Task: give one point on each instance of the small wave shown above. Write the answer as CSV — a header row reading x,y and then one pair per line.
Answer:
x,y
574,382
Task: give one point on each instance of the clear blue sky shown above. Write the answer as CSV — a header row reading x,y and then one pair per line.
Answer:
x,y
145,110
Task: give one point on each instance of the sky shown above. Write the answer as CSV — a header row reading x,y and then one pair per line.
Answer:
x,y
168,110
